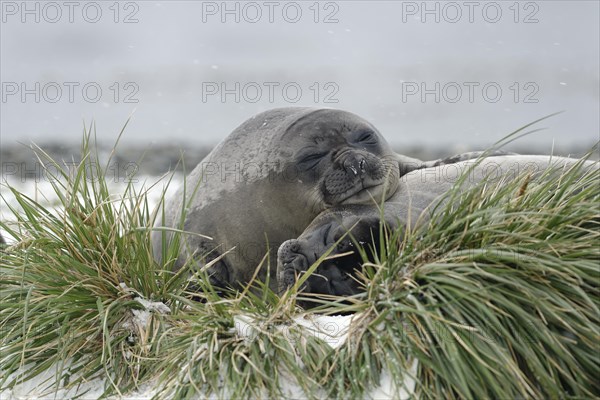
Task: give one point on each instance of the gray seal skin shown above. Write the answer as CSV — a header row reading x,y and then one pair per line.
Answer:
x,y
418,195
268,180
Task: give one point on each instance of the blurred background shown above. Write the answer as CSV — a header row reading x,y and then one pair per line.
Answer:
x,y
434,77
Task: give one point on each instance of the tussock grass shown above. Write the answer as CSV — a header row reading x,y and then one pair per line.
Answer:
x,y
69,283
496,297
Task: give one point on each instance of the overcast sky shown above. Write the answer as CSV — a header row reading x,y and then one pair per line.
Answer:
x,y
448,73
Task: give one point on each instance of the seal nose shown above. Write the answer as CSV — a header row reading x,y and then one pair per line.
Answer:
x,y
292,262
356,164
294,253
294,247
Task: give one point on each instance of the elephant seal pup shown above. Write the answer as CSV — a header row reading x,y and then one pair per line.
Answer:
x,y
268,180
411,205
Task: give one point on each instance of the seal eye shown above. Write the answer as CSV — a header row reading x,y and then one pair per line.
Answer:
x,y
312,160
367,138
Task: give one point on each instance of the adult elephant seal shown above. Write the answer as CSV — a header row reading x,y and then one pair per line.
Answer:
x,y
268,180
411,205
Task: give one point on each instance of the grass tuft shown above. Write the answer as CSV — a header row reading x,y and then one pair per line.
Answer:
x,y
496,297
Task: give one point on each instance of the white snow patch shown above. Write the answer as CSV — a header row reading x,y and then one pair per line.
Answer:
x,y
389,389
333,330
40,189
39,388
140,319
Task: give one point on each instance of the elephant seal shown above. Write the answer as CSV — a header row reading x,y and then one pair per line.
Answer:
x,y
419,194
267,181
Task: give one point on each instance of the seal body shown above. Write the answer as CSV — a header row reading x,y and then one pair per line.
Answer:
x,y
267,181
420,194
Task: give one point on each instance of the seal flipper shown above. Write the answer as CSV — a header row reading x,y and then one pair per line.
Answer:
x,y
471,155
217,270
218,275
407,164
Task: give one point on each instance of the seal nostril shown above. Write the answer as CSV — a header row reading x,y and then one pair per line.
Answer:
x,y
362,165
294,247
349,165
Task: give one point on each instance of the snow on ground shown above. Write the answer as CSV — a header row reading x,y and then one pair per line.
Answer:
x,y
40,189
38,389
332,329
